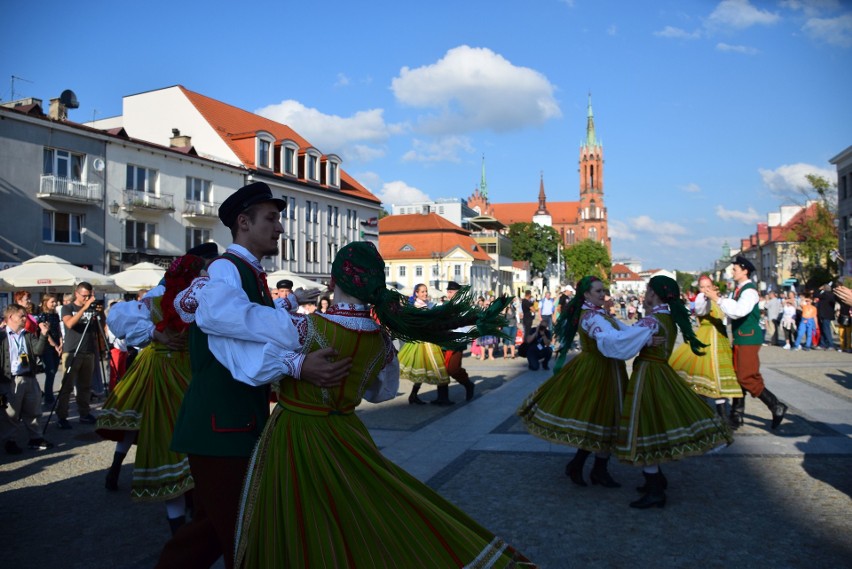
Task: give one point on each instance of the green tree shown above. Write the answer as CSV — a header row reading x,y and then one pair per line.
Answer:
x,y
815,232
684,280
587,258
534,243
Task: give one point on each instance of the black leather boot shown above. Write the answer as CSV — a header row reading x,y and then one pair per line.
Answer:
x,y
176,523
112,474
412,398
721,410
574,469
777,408
469,388
655,497
644,488
443,397
737,416
600,474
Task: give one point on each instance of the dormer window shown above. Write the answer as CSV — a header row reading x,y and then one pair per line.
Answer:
x,y
310,169
289,151
263,157
332,171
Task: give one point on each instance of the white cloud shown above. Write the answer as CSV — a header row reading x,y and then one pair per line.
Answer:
x,y
444,149
834,31
789,180
677,33
691,188
740,14
612,30
646,224
334,134
342,80
476,89
620,231
749,217
400,193
744,49
811,7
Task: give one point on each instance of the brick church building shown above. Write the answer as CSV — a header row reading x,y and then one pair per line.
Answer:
x,y
574,220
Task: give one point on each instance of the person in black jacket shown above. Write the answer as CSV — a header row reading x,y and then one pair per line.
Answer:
x,y
20,394
825,302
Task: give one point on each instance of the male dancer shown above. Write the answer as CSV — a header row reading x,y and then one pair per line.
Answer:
x,y
221,419
453,362
744,313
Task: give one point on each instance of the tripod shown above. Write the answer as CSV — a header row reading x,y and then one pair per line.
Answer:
x,y
96,317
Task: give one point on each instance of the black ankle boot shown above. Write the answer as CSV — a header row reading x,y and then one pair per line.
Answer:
x,y
469,388
176,523
737,417
721,411
644,488
413,399
655,497
574,469
600,475
777,408
443,397
112,474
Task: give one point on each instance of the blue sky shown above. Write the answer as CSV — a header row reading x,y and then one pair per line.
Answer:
x,y
710,112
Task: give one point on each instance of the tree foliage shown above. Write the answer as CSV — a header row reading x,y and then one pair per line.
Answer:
x,y
684,280
587,258
815,232
534,243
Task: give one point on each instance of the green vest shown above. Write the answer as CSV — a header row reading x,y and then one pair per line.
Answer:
x,y
747,330
221,416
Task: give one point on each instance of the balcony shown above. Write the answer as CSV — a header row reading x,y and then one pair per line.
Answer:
x,y
68,190
134,200
194,209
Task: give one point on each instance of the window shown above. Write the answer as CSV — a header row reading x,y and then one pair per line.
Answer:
x,y
62,227
293,249
284,211
387,271
308,211
336,217
434,270
315,213
63,164
288,249
139,235
198,190
263,148
330,216
141,179
350,218
311,251
402,271
292,208
311,162
333,174
418,271
457,271
289,160
196,236
593,233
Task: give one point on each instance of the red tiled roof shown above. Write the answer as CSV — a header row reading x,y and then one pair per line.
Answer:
x,y
423,235
238,127
523,212
618,268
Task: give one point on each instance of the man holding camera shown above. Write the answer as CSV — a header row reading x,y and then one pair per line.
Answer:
x,y
81,322
538,346
20,396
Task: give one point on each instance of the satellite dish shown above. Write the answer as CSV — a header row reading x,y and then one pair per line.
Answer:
x,y
98,164
69,99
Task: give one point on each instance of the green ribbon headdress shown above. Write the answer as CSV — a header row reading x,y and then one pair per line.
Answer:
x,y
359,270
669,292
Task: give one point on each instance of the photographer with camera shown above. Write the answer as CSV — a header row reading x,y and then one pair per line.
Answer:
x,y
538,346
20,396
81,322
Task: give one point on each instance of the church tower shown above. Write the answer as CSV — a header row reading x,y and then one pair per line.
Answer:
x,y
591,214
542,216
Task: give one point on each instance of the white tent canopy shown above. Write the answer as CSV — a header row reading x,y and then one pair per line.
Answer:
x,y
139,276
49,271
298,282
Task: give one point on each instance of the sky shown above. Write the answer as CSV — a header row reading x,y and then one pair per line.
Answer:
x,y
710,113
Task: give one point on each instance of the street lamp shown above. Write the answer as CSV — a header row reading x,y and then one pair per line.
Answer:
x,y
436,258
115,209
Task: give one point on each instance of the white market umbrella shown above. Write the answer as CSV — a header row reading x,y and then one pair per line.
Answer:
x,y
49,271
139,276
298,282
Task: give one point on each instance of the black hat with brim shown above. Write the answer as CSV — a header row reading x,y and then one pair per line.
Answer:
x,y
205,251
453,285
244,198
285,284
744,264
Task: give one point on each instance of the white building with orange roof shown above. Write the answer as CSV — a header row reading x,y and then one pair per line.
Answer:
x,y
429,249
625,280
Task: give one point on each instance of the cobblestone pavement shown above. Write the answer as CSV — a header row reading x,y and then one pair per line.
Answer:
x,y
773,499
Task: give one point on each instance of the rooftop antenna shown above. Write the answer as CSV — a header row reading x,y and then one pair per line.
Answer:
x,y
12,94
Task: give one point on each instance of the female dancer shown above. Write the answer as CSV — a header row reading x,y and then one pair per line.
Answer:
x,y
318,492
711,374
421,362
581,404
143,407
662,418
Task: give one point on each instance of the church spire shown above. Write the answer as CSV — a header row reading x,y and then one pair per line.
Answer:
x,y
542,199
483,185
591,141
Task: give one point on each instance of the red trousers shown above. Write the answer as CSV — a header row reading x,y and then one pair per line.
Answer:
x,y
453,361
218,484
747,367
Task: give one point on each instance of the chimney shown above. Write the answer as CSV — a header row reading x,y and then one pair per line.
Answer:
x,y
58,111
179,141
